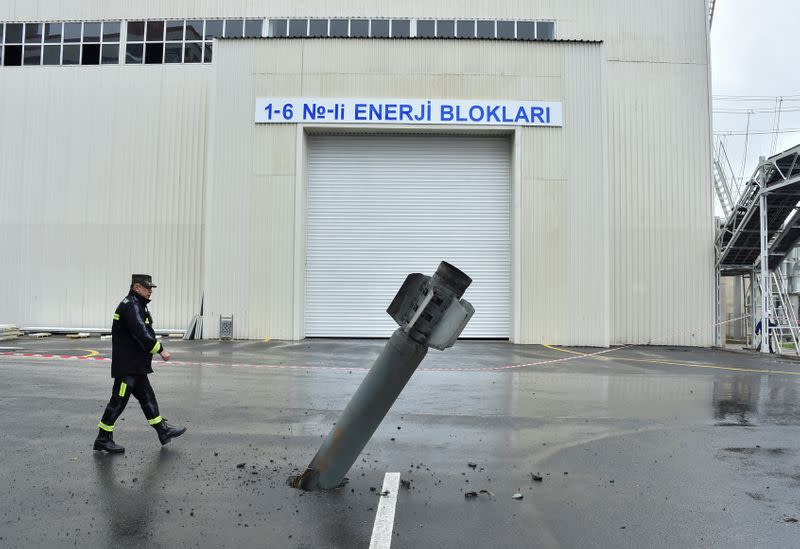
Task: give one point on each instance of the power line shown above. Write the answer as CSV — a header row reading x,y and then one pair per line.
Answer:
x,y
756,132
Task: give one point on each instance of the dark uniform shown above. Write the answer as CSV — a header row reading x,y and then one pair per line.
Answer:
x,y
133,344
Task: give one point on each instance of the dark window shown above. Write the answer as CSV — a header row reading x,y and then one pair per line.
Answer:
x,y
72,54
213,29
546,30
133,53
193,52
526,30
175,30
72,32
14,33
173,53
13,56
1,36
155,31
194,30
465,29
51,55
91,32
426,29
297,27
207,51
318,28
135,31
359,28
380,28
401,28
91,54
339,28
111,31
252,28
110,54
485,29
52,33
33,55
505,29
1,47
277,28
153,54
33,33
445,29
234,28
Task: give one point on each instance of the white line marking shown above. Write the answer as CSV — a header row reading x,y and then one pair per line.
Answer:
x,y
384,518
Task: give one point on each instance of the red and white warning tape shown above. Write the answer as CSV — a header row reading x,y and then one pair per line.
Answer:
x,y
570,358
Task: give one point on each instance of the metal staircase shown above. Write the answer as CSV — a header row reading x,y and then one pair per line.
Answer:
x,y
786,330
725,185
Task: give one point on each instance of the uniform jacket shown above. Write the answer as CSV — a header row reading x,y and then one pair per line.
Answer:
x,y
133,340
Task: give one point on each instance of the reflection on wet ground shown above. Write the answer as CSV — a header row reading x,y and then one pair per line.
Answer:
x,y
640,447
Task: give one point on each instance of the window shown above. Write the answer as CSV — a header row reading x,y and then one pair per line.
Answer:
x,y
71,43
401,28
445,29
234,28
359,28
546,30
278,28
380,28
426,29
485,29
465,29
505,29
526,30
213,29
252,28
339,28
298,28
318,28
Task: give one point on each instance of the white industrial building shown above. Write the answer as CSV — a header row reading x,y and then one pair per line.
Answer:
x,y
288,163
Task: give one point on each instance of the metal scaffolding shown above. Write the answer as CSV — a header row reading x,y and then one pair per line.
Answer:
x,y
755,237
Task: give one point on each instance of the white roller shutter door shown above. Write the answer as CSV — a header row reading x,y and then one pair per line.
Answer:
x,y
382,206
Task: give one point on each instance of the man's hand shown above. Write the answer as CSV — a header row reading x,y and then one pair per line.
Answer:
x,y
166,356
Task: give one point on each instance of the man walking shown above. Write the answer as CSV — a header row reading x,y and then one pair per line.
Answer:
x,y
133,344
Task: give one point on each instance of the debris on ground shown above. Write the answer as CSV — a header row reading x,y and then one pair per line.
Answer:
x,y
517,496
789,519
9,332
385,493
536,478
79,335
472,465
240,465
468,495
39,335
405,484
487,493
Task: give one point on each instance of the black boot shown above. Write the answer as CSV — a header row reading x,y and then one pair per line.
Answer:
x,y
105,442
166,432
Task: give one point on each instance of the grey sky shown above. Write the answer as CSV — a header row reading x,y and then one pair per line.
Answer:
x,y
755,47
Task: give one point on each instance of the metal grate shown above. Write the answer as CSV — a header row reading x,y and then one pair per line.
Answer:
x,y
226,327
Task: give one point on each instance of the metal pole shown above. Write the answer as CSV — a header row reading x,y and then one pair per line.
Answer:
x,y
717,310
753,308
766,291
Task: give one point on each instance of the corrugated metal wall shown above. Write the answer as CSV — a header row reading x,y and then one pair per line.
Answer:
x,y
563,219
660,258
102,175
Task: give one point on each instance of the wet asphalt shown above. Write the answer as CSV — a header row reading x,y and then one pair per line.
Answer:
x,y
639,447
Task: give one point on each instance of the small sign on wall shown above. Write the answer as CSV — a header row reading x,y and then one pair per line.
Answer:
x,y
329,110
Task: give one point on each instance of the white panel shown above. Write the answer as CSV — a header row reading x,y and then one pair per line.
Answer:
x,y
102,176
381,207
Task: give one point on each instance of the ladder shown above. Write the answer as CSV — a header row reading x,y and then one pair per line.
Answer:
x,y
786,329
722,189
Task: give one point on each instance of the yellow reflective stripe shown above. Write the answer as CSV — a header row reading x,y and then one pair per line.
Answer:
x,y
122,388
156,348
156,420
104,427
116,317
